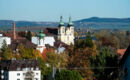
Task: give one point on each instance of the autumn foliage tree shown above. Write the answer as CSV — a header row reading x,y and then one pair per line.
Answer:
x,y
28,53
79,56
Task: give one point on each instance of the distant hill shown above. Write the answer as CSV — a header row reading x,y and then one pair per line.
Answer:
x,y
97,19
26,23
104,23
93,22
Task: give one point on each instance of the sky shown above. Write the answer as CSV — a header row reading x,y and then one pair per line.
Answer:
x,y
51,10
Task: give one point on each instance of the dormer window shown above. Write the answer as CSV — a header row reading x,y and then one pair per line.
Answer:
x,y
37,68
18,69
31,68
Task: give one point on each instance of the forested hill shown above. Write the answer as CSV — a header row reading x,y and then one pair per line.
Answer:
x,y
104,23
94,22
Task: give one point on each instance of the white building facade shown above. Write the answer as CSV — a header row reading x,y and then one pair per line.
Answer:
x,y
22,75
66,35
41,40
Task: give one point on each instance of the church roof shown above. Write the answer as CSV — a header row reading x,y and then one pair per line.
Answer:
x,y
41,34
70,22
61,22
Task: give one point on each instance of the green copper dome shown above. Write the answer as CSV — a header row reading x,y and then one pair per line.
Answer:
x,y
41,34
70,22
61,22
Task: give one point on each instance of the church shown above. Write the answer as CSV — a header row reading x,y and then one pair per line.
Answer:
x,y
66,34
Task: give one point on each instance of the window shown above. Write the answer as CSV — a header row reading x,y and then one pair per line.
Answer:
x,y
18,74
63,30
24,69
24,74
37,68
36,78
18,69
31,68
36,73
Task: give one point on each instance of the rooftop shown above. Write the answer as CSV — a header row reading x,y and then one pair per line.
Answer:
x,y
14,65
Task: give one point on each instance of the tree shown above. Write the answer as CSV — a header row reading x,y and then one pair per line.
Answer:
x,y
79,56
67,75
45,70
5,52
7,55
105,65
28,53
55,59
29,35
52,59
4,47
80,60
83,43
88,41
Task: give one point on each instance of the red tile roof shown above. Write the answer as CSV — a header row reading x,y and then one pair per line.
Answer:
x,y
121,51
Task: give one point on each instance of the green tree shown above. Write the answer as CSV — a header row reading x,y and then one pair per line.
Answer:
x,y
45,70
67,75
83,43
54,60
105,65
88,41
28,53
4,47
29,35
7,55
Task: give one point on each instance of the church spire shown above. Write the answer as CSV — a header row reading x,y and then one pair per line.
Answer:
x,y
61,22
70,22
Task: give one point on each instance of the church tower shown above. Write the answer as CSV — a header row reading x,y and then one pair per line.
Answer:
x,y
61,30
66,35
70,32
41,45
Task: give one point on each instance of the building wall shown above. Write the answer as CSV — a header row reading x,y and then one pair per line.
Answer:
x,y
46,40
13,75
49,40
42,42
68,35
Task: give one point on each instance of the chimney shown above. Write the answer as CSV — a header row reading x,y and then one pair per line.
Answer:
x,y
14,33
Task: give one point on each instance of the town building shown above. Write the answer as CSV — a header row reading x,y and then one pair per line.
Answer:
x,y
66,34
125,66
41,40
20,70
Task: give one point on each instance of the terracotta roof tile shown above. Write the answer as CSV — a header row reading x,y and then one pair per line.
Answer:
x,y
121,51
